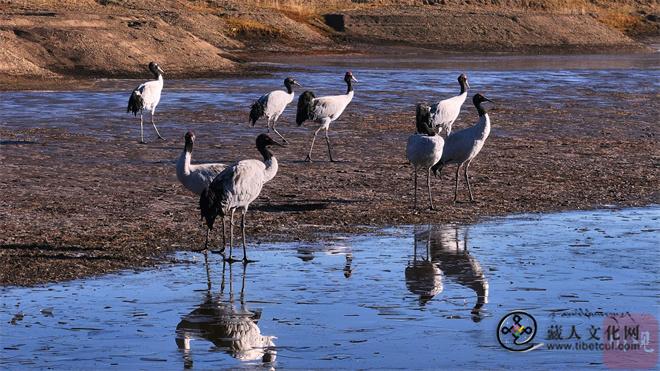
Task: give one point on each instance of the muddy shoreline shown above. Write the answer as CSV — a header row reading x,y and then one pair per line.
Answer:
x,y
85,199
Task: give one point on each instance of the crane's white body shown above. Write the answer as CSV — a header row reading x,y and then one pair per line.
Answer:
x,y
243,181
445,112
150,93
196,177
464,145
328,109
423,151
274,104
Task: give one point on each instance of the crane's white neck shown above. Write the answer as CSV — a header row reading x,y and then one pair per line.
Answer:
x,y
183,164
271,168
484,124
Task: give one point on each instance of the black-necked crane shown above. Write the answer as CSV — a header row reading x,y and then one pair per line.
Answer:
x,y
464,145
272,105
424,149
445,112
196,178
236,187
324,110
146,97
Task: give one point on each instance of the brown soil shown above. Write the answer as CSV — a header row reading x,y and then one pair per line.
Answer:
x,y
73,205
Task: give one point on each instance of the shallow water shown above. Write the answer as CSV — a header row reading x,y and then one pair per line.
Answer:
x,y
386,85
360,302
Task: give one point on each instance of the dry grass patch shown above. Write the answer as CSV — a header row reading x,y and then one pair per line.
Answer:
x,y
245,27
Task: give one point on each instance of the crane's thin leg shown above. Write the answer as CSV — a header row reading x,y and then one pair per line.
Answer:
x,y
222,282
428,184
141,129
309,155
456,184
415,187
208,270
242,297
154,124
245,259
224,237
467,180
327,140
206,244
277,132
414,249
231,236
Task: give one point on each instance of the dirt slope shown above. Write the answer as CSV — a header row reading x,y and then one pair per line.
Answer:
x,y
112,38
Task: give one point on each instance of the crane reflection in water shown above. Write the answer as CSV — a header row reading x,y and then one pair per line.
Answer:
x,y
445,257
229,325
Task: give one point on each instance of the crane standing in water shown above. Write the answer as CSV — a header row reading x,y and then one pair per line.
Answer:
x,y
236,187
196,178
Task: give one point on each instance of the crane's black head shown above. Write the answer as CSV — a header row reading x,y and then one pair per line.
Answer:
x,y
290,81
478,99
190,139
463,81
264,140
349,77
155,68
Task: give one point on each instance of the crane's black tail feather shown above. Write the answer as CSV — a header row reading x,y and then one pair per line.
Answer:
x,y
305,107
423,119
256,111
135,102
209,206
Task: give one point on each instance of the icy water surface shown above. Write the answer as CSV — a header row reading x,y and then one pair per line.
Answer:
x,y
361,302
386,85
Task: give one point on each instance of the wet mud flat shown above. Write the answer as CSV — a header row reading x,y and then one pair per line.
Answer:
x,y
435,291
81,197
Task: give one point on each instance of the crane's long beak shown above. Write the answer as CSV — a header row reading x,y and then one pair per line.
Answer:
x,y
488,100
467,84
296,83
279,144
354,79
